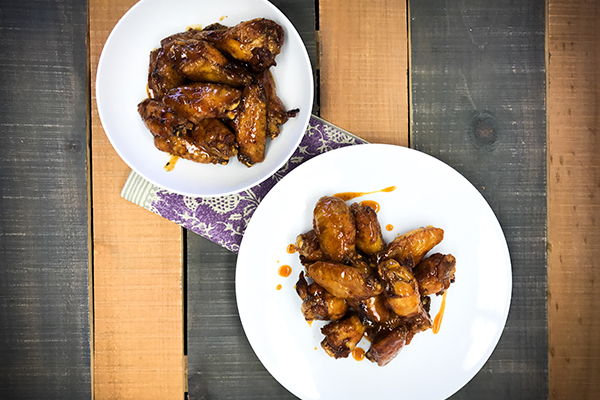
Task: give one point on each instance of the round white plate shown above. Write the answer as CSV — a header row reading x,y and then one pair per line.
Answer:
x,y
428,193
123,75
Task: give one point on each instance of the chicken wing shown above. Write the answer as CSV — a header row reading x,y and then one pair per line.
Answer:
x,y
401,288
256,42
317,303
251,126
415,244
342,336
387,348
276,112
308,248
200,61
198,101
334,224
344,281
434,274
162,74
162,121
369,239
373,309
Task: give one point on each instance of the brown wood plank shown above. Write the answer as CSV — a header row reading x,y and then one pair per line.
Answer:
x,y
137,261
574,193
363,67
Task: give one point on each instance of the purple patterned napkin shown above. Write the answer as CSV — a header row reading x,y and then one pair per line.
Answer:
x,y
223,220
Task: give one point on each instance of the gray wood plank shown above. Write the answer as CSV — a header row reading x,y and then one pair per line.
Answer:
x,y
221,363
44,308
478,89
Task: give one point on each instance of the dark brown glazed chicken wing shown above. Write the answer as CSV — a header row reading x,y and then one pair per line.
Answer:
x,y
342,336
387,348
162,121
200,61
334,225
369,239
309,248
344,281
198,101
210,142
415,244
162,75
435,273
251,126
317,303
401,288
256,42
276,112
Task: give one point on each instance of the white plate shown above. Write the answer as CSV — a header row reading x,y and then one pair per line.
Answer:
x,y
123,75
428,193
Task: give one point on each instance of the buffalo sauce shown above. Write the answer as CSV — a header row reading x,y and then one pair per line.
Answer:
x,y
389,227
370,203
284,271
171,164
291,248
278,287
352,195
437,322
358,353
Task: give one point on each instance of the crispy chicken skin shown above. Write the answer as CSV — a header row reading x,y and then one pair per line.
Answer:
x,y
256,42
162,75
415,244
401,288
210,142
344,281
251,126
198,101
162,121
309,248
334,224
342,336
200,61
276,112
434,274
317,303
387,348
369,239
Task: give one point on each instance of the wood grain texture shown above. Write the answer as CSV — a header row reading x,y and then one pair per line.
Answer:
x,y
364,68
574,198
138,294
44,308
478,103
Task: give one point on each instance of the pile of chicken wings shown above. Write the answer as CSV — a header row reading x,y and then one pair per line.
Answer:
x,y
365,287
211,95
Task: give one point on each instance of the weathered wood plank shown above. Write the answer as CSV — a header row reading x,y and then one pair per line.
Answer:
x,y
138,294
573,206
44,308
478,103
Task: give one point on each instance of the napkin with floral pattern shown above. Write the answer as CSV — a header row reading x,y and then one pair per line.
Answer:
x,y
223,219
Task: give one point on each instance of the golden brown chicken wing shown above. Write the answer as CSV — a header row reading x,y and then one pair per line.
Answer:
x,y
162,121
198,101
401,288
369,239
276,112
344,281
342,336
374,308
434,274
415,244
317,303
308,248
334,225
162,75
250,126
210,142
387,348
200,61
256,42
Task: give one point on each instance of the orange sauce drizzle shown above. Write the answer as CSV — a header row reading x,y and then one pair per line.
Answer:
x,y
389,227
291,248
437,322
171,164
284,271
310,324
278,287
373,204
352,195
358,353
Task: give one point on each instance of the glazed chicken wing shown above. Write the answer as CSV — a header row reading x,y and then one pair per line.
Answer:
x,y
256,42
387,348
334,224
435,273
342,336
198,101
317,303
162,74
276,112
200,61
210,142
162,121
369,239
251,126
401,288
309,248
415,244
374,308
344,281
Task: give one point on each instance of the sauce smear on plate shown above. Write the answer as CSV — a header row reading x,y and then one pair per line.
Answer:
x,y
437,322
352,195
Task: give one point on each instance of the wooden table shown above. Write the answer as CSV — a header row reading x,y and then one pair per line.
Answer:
x,y
101,298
